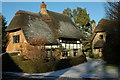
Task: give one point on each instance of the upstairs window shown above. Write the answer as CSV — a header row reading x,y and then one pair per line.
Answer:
x,y
16,39
101,36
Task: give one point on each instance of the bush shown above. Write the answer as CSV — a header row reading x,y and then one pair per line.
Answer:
x,y
13,54
8,64
65,63
78,60
38,66
36,51
96,56
111,54
91,55
29,67
18,58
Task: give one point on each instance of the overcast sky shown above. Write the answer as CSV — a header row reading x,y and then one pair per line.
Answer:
x,y
95,9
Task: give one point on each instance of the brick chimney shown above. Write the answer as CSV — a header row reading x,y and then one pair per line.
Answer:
x,y
43,7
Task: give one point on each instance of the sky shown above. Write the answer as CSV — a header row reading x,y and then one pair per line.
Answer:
x,y
95,9
59,0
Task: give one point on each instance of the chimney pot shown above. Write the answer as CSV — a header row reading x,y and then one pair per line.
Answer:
x,y
43,7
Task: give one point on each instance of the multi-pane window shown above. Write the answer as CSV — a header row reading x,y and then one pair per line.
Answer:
x,y
65,53
16,39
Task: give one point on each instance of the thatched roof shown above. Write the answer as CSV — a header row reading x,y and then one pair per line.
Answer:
x,y
50,27
103,25
99,44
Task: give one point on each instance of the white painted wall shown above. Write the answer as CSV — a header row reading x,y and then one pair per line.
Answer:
x,y
68,46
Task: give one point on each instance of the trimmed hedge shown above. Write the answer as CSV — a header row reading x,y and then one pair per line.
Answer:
x,y
8,64
37,66
13,54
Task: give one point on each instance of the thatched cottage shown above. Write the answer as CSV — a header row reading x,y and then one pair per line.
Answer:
x,y
99,36
56,29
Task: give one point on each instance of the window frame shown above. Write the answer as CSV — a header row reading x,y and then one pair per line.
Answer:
x,y
75,53
16,39
65,53
101,37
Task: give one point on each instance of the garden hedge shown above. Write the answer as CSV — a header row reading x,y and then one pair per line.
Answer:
x,y
29,66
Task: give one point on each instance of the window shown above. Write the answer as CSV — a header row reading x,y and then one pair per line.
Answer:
x,y
75,53
16,39
68,41
101,36
100,50
65,53
48,54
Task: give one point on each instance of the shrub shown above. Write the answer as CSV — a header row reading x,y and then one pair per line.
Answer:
x,y
29,67
56,54
96,56
78,60
8,64
63,63
111,54
13,54
36,51
38,66
91,55
18,58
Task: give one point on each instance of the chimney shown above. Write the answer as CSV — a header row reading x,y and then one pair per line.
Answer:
x,y
43,7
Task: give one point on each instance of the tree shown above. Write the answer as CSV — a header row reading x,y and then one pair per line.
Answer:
x,y
112,46
81,20
113,11
3,32
35,51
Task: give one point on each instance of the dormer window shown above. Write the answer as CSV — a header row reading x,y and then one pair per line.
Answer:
x,y
101,37
16,39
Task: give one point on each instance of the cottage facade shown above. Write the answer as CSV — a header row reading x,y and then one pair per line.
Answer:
x,y
99,36
98,42
54,28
